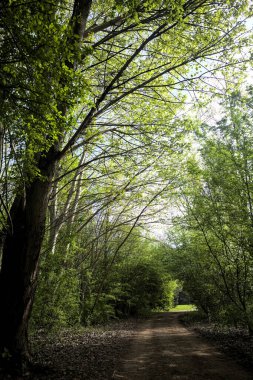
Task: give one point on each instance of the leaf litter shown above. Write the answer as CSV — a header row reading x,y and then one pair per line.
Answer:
x,y
91,353
234,342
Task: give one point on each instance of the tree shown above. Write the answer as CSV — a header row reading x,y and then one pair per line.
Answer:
x,y
218,244
68,71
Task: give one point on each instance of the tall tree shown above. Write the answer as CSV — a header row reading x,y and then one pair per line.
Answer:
x,y
218,245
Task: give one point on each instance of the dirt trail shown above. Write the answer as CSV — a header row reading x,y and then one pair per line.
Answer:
x,y
164,349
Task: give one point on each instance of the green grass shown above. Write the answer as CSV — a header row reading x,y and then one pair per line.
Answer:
x,y
184,308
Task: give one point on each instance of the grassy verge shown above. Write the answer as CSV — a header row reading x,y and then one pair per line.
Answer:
x,y
184,308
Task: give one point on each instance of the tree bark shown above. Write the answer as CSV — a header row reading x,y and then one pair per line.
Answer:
x,y
20,261
23,241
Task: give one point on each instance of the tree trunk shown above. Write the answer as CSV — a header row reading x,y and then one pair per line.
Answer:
x,y
22,243
18,277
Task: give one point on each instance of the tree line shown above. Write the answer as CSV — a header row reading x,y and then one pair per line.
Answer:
x,y
214,236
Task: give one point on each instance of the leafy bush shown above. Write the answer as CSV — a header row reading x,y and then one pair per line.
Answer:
x,y
143,289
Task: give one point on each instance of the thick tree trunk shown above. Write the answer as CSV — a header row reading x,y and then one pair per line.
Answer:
x,y
22,243
18,277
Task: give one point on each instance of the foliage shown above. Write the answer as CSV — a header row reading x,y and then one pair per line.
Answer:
x,y
143,289
96,292
215,245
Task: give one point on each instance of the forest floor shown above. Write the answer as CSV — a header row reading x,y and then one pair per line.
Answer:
x,y
159,347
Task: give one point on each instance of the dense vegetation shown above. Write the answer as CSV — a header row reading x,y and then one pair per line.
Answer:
x,y
97,141
97,291
214,256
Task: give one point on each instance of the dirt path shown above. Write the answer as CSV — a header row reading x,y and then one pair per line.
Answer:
x,y
164,349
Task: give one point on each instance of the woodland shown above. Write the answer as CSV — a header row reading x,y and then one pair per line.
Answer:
x,y
126,163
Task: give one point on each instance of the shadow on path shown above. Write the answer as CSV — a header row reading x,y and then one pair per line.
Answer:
x,y
164,349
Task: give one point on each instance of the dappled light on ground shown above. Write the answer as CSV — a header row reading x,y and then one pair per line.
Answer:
x,y
164,349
